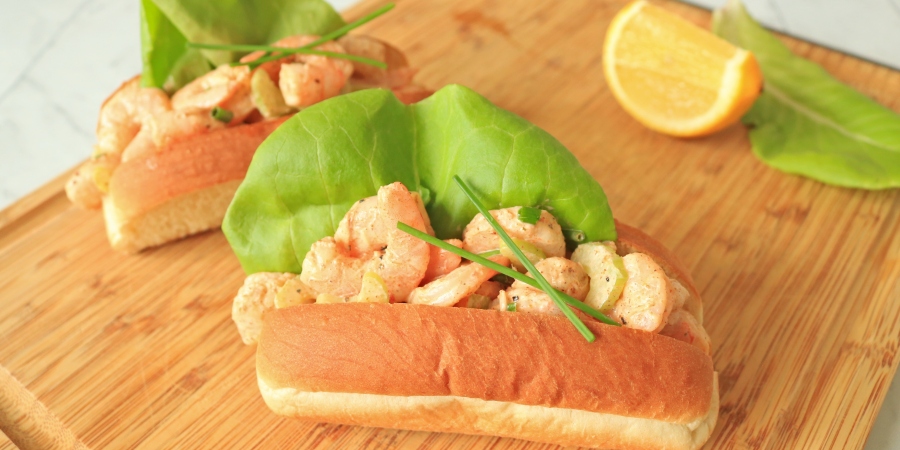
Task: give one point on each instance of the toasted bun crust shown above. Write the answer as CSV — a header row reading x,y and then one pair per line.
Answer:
x,y
409,360
531,359
183,189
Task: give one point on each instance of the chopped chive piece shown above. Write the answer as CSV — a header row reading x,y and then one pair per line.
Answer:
x,y
503,270
511,307
489,253
574,238
527,214
574,235
221,114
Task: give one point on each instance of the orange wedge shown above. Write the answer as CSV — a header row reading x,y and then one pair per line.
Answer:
x,y
675,77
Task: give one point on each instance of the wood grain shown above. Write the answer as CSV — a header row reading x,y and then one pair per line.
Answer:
x,y
800,279
27,422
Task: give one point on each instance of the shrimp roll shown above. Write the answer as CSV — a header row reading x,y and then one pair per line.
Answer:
x,y
467,352
167,164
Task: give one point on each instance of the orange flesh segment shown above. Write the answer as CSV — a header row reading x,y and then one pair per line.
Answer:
x,y
674,76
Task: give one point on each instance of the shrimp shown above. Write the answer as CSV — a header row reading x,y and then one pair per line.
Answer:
x,y
121,118
489,290
563,274
168,127
328,269
81,188
360,230
679,294
397,74
306,79
333,267
421,204
684,327
226,87
646,300
442,261
405,259
546,234
305,84
412,93
462,282
124,113
255,297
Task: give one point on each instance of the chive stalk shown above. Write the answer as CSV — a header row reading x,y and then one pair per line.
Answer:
x,y
276,53
280,52
504,271
350,26
545,286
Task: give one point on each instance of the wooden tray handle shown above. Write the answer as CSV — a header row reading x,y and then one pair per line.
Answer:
x,y
27,422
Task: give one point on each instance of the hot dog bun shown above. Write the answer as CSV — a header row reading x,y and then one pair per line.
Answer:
x,y
461,370
183,189
528,376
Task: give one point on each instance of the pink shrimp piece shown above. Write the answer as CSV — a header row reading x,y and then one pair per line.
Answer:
x,y
455,286
684,327
442,261
335,266
226,87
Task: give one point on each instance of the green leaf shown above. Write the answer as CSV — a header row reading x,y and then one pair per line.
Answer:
x,y
162,45
808,123
308,173
167,25
192,64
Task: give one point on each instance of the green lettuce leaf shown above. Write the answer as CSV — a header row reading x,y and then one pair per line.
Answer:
x,y
167,25
808,123
308,173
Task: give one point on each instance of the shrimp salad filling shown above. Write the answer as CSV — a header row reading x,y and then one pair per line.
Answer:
x,y
370,260
138,121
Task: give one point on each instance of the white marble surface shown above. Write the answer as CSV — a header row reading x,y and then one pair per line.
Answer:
x,y
61,58
869,29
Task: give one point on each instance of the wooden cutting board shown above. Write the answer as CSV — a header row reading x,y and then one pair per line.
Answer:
x,y
800,280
